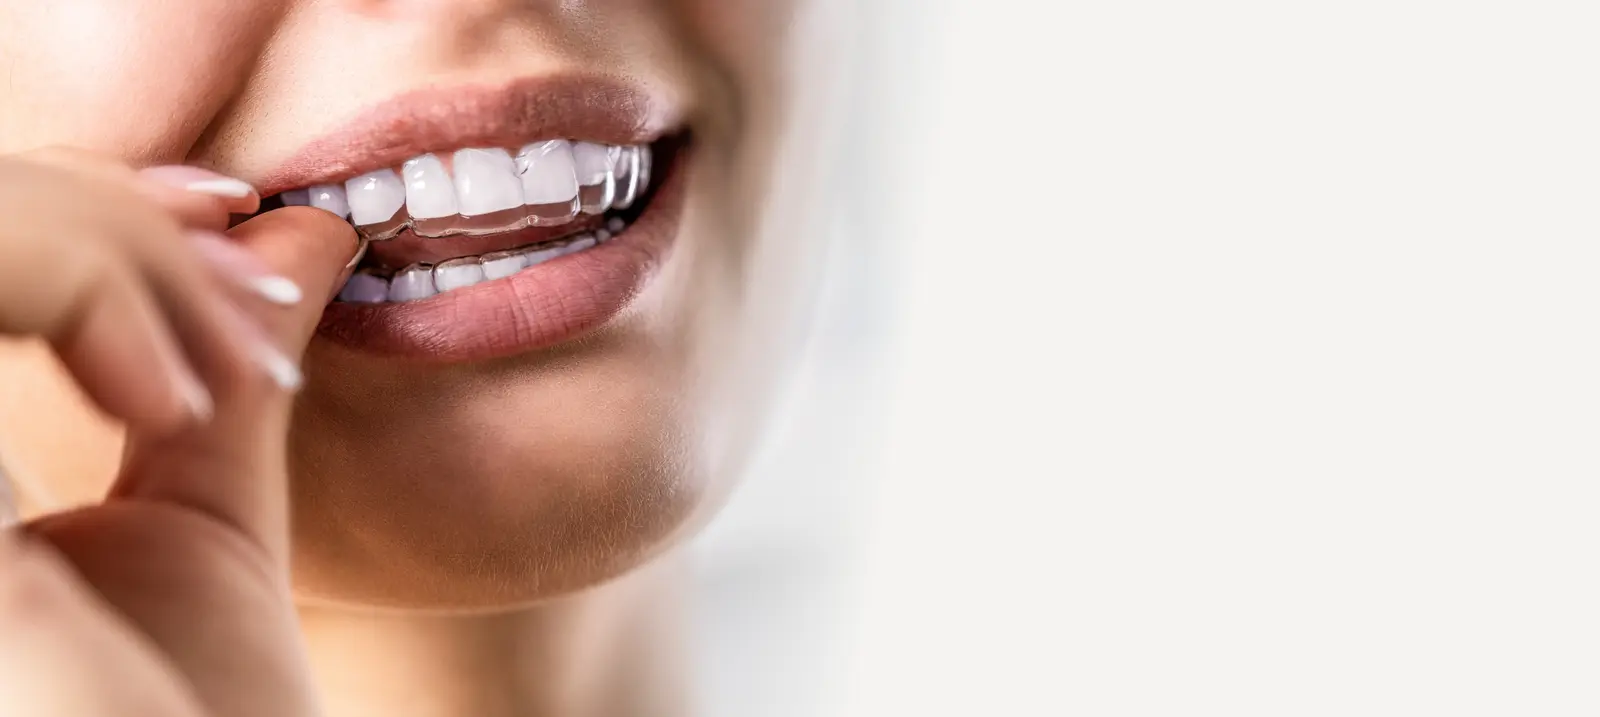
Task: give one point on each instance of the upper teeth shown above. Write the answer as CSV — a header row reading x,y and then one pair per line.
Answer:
x,y
487,190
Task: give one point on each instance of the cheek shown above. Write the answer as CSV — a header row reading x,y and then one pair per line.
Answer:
x,y
136,78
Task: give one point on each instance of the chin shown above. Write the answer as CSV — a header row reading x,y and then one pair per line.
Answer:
x,y
492,486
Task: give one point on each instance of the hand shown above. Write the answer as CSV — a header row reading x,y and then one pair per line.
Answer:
x,y
171,597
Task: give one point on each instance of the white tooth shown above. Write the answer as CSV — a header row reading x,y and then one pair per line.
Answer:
x,y
548,174
486,182
374,197
296,198
330,198
615,225
601,236
416,282
593,161
577,245
626,171
501,264
365,289
534,258
429,194
457,274
644,167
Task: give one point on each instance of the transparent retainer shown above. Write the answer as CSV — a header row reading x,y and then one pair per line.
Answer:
x,y
626,176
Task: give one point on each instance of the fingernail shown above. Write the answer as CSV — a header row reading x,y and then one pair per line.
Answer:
x,y
246,270
195,397
279,367
9,515
200,181
263,351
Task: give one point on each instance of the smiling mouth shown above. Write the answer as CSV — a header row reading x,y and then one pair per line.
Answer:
x,y
487,238
446,221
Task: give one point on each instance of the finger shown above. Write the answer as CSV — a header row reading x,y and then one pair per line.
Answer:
x,y
234,467
65,652
199,198
110,345
309,247
63,280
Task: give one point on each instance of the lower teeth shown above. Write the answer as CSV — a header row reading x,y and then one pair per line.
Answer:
x,y
420,281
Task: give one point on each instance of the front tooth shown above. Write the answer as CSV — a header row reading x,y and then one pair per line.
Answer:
x,y
414,282
486,182
501,264
375,197
429,193
296,198
365,288
330,198
457,274
548,173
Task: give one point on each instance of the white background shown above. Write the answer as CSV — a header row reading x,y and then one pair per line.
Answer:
x,y
1236,358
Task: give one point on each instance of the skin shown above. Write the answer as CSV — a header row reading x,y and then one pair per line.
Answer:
x,y
494,536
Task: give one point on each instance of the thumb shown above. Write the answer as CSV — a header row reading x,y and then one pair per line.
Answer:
x,y
234,467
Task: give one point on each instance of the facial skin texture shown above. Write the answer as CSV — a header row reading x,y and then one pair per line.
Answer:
x,y
483,486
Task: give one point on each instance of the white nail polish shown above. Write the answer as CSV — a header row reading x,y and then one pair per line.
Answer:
x,y
277,290
279,368
221,187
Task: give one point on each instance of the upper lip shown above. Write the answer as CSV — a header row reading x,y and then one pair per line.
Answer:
x,y
595,109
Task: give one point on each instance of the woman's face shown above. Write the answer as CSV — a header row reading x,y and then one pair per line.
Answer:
x,y
500,442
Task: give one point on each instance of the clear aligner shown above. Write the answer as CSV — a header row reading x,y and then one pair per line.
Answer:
x,y
420,281
487,191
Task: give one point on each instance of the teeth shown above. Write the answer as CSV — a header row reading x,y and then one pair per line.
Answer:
x,y
364,288
457,274
487,190
597,184
375,197
420,281
549,175
535,257
415,282
549,182
330,198
593,161
627,174
429,193
615,224
486,182
501,264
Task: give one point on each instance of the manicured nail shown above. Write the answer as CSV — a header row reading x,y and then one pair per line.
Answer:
x,y
263,350
245,269
195,397
9,514
279,367
200,181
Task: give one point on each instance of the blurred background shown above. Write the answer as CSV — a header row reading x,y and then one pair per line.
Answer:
x,y
1178,358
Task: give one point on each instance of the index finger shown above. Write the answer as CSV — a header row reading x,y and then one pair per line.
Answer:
x,y
235,466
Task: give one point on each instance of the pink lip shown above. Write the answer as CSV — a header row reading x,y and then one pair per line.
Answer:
x,y
538,307
596,109
541,306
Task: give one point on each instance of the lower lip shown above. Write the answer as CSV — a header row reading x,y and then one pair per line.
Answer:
x,y
535,308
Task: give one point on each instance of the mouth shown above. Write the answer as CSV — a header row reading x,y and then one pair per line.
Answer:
x,y
499,220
